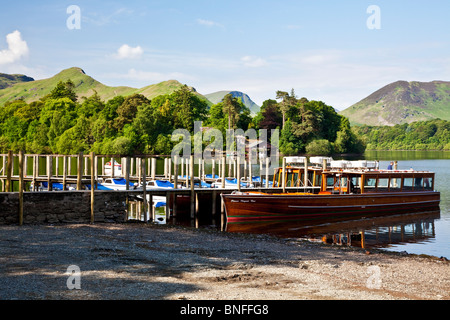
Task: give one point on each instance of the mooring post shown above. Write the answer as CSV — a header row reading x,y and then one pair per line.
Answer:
x,y
306,173
144,189
20,188
8,171
191,174
49,172
92,185
35,172
79,170
64,172
175,184
153,168
238,172
224,162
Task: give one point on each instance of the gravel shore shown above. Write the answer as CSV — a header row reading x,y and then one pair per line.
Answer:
x,y
136,261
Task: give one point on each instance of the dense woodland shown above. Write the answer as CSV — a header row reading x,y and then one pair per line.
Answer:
x,y
62,123
421,135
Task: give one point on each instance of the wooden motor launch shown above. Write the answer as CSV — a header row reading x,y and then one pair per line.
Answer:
x,y
335,189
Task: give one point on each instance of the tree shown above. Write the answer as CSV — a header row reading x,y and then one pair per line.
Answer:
x,y
320,147
63,90
288,100
231,109
128,109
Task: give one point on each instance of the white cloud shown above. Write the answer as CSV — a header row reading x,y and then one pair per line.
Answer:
x,y
253,62
17,48
209,23
127,52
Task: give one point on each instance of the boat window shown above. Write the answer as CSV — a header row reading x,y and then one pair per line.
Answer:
x,y
407,184
318,180
383,184
302,179
369,184
296,182
395,184
428,183
418,183
355,185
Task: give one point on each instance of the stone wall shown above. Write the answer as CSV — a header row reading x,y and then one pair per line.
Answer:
x,y
63,207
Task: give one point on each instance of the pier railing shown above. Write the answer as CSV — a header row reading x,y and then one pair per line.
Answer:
x,y
21,173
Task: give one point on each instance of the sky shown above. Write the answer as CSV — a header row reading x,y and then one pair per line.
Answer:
x,y
337,52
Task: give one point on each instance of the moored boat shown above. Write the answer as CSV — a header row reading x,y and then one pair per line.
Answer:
x,y
345,190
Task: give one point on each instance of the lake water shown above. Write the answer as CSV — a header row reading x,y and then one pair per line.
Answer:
x,y
434,238
425,233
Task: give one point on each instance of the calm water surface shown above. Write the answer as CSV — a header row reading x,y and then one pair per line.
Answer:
x,y
439,243
427,233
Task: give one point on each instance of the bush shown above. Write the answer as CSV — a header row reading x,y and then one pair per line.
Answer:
x,y
320,147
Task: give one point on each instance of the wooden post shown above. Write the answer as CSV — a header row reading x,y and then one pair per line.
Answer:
x,y
306,173
175,183
49,173
8,171
35,157
113,167
238,173
144,189
167,206
213,209
191,174
153,168
224,162
92,186
57,166
250,171
20,188
127,173
64,172
187,173
79,170
283,177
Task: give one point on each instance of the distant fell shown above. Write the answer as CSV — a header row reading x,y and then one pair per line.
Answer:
x,y
218,96
7,80
402,102
85,86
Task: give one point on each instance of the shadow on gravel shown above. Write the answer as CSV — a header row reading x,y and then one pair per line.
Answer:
x,y
133,261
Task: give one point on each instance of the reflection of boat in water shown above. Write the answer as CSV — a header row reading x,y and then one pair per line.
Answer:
x,y
381,231
341,192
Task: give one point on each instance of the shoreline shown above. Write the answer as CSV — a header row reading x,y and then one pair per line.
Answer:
x,y
137,261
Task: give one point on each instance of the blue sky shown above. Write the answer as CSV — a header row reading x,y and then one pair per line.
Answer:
x,y
322,49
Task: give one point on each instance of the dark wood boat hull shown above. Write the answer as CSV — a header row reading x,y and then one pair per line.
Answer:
x,y
247,208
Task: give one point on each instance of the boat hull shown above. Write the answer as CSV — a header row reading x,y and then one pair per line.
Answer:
x,y
247,208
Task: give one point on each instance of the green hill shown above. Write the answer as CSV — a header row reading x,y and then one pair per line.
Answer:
x,y
84,87
217,97
8,80
402,102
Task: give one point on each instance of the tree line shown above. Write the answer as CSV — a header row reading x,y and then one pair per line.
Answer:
x,y
62,123
421,135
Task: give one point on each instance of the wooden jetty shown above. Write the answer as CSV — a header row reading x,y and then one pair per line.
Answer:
x,y
24,172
